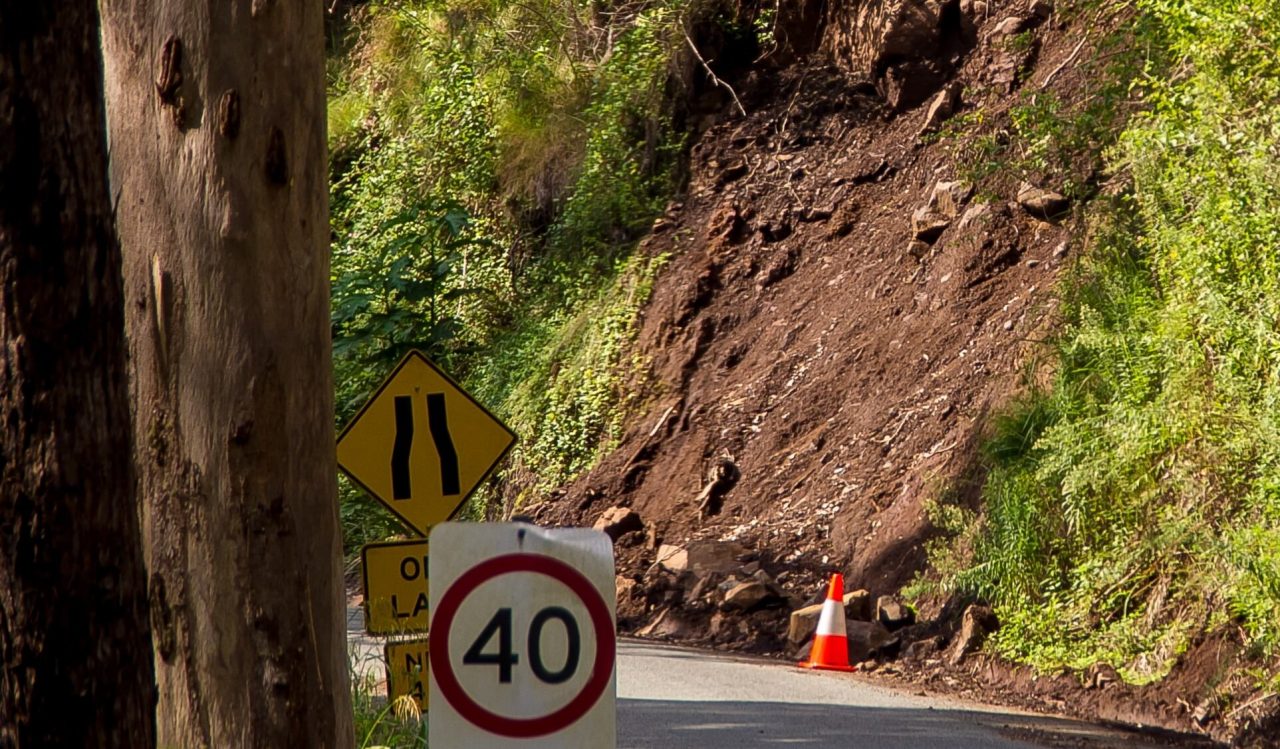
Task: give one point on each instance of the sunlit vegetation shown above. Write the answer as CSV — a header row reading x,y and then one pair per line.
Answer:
x,y
493,164
1133,495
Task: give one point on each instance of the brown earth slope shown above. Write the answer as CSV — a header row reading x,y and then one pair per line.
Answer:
x,y
840,315
803,342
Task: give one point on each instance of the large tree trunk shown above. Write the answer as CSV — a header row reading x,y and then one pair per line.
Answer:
x,y
75,653
217,125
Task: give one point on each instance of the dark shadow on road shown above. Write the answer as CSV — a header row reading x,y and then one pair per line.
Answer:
x,y
733,725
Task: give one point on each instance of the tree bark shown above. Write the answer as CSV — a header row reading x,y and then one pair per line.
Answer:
x,y
217,124
75,651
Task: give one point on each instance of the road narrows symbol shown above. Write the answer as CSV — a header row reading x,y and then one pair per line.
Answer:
x,y
400,488
450,483
438,422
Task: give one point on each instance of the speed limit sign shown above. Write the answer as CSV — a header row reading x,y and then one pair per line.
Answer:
x,y
523,642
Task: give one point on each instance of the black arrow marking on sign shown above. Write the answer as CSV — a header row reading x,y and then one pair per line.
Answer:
x,y
450,483
400,487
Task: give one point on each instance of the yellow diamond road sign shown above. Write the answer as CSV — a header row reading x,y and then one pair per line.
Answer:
x,y
421,445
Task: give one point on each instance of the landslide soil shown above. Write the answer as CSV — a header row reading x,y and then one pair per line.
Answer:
x,y
826,376
797,334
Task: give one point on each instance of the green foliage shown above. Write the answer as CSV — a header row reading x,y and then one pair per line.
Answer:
x,y
1137,496
493,164
1063,137
379,723
566,382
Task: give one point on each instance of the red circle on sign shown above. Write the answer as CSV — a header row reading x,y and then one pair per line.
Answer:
x,y
601,622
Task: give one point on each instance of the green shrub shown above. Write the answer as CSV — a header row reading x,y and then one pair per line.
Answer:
x,y
1136,498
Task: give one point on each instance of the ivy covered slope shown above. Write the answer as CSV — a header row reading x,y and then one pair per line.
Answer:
x,y
492,164
1133,495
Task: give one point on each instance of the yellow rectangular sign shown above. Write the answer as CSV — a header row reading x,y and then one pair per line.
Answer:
x,y
407,671
395,587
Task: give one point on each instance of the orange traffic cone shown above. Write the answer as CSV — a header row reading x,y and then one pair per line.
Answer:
x,y
831,643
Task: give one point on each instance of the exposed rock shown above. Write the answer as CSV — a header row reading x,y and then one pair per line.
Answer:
x,y
667,624
703,585
900,40
804,622
1011,25
616,521
624,586
973,214
893,613
720,479
943,106
918,249
975,625
947,198
1040,202
857,606
927,226
673,558
866,639
715,556
923,649
748,595
1041,9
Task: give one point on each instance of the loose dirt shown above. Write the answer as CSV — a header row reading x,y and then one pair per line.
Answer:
x,y
815,376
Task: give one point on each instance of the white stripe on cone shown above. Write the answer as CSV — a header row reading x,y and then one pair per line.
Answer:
x,y
831,621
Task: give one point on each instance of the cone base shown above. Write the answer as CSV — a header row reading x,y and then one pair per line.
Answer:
x,y
825,667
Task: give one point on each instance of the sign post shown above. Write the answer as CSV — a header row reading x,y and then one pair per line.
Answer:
x,y
421,446
524,637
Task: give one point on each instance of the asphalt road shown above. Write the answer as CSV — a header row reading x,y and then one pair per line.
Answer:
x,y
673,698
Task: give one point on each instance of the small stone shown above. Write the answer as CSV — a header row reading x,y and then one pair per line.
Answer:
x,y
857,606
923,649
866,638
1033,263
1040,202
943,106
918,249
976,623
927,225
715,556
666,624
1060,251
673,558
747,596
624,586
893,613
972,214
1008,325
617,521
1041,9
947,198
1011,25
803,623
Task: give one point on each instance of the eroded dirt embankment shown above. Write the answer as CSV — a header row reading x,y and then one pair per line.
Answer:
x,y
841,312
